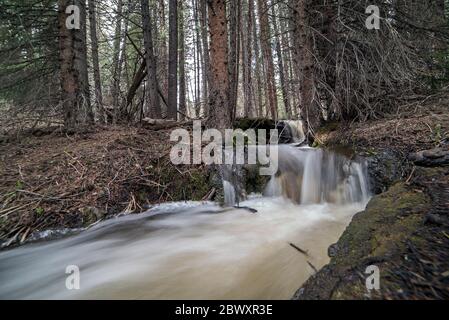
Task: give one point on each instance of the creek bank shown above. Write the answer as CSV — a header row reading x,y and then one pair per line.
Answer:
x,y
404,232
60,181
405,228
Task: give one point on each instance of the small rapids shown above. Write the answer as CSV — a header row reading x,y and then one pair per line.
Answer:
x,y
199,250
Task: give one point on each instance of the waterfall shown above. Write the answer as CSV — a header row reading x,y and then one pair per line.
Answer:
x,y
229,193
310,176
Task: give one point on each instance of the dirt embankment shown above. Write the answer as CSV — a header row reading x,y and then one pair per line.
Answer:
x,y
71,181
404,230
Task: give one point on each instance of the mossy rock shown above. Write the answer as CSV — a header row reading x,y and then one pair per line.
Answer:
x,y
373,237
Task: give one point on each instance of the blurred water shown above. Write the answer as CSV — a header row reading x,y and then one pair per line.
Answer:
x,y
198,250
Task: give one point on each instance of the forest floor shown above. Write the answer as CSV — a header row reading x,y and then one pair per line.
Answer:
x,y
404,230
55,181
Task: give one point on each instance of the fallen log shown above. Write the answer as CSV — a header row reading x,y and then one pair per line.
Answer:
x,y
431,158
161,124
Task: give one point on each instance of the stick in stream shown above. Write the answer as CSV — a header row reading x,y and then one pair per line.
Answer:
x,y
312,266
304,252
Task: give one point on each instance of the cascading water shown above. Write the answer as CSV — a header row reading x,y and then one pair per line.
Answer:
x,y
199,250
308,176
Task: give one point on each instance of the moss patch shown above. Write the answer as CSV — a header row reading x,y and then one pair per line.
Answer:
x,y
374,236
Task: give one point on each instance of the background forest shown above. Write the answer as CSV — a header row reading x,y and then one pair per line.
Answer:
x,y
314,60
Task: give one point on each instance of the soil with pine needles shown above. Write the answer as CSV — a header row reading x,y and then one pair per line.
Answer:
x,y
57,180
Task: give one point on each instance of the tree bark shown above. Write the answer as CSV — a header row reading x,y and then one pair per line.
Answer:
x,y
151,97
280,60
252,18
173,61
310,111
116,59
73,68
95,59
182,61
271,95
219,113
233,65
206,60
247,58
161,48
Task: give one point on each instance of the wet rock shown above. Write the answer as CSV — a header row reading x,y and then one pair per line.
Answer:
x,y
91,215
373,237
384,169
431,158
215,181
332,250
435,219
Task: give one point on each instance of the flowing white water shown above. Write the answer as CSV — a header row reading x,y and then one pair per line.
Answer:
x,y
198,250
309,176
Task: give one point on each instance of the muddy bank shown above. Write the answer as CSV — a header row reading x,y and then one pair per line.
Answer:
x,y
61,180
405,228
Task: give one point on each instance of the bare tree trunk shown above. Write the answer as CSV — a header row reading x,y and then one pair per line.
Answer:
x,y
247,60
173,61
219,113
252,18
326,44
304,62
182,61
122,59
233,66
206,60
198,58
280,60
116,59
161,48
268,58
288,60
73,69
152,96
95,59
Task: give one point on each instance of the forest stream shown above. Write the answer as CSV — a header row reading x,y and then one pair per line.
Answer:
x,y
200,250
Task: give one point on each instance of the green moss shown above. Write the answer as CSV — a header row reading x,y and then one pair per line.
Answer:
x,y
388,220
199,184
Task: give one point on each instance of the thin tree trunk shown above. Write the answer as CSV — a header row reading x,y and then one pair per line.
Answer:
x,y
116,59
199,58
233,66
268,58
162,56
152,96
173,61
206,60
247,61
259,108
182,60
293,58
219,113
280,60
122,59
95,59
